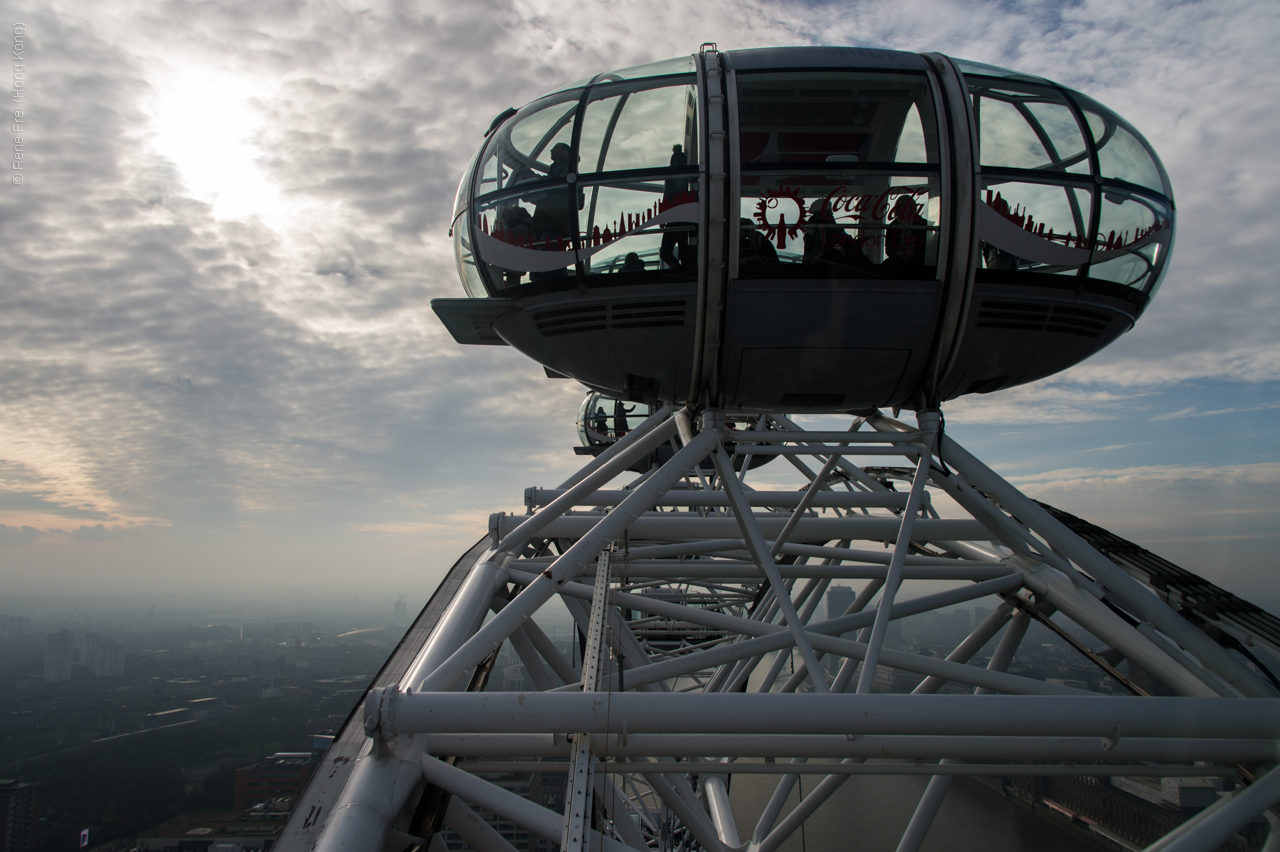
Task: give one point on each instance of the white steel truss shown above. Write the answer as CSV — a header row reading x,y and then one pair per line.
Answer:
x,y
697,594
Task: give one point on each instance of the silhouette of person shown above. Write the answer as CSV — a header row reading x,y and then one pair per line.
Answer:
x,y
632,263
513,223
620,412
904,244
600,420
553,214
826,242
675,251
754,246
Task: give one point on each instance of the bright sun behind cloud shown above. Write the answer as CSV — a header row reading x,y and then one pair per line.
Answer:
x,y
204,122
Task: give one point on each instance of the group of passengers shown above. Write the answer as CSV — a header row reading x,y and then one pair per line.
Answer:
x,y
599,421
827,244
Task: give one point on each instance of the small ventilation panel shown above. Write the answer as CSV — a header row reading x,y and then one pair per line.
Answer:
x,y
647,314
1078,321
568,320
630,315
1041,316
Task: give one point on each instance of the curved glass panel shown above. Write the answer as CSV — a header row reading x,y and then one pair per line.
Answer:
x,y
629,128
868,225
639,230
529,236
464,185
808,208
835,117
665,67
531,146
1027,127
1034,227
968,66
465,258
1135,233
603,419
1122,152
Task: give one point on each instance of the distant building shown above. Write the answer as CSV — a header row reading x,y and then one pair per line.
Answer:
x,y
400,612
300,629
320,744
18,814
952,623
980,614
58,648
221,831
108,659
13,625
281,774
839,598
102,656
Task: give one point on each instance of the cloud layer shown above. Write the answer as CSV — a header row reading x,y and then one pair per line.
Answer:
x,y
166,367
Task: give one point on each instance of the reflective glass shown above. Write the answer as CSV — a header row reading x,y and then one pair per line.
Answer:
x,y
838,226
1122,152
625,128
679,65
838,117
464,186
466,260
1034,227
1027,127
1134,236
604,419
527,237
640,229
968,66
526,147
1122,156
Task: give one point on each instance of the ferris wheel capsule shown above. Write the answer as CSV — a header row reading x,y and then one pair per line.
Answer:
x,y
808,229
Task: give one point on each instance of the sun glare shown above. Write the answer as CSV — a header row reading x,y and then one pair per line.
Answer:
x,y
204,123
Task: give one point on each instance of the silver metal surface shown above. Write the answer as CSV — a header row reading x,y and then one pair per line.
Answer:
x,y
704,652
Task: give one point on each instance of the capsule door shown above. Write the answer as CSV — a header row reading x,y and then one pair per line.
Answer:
x,y
834,287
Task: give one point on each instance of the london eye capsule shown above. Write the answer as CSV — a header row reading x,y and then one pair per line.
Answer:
x,y
808,229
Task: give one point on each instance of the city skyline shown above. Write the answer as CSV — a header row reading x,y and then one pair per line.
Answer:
x,y
222,372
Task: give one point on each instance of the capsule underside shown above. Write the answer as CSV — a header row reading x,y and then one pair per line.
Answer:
x,y
809,229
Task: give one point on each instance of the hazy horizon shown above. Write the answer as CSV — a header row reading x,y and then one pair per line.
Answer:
x,y
221,374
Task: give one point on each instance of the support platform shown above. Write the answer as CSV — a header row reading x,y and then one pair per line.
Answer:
x,y
702,653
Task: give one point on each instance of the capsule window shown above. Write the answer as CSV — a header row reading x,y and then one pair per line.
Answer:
x,y
1134,235
1027,127
835,117
641,230
626,128
534,145
849,225
1034,227
1122,156
529,236
465,257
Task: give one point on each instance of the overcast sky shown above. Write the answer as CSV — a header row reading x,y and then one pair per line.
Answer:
x,y
219,371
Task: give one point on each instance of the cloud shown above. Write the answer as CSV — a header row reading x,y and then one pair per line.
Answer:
x,y
1219,521
1049,401
1192,412
167,365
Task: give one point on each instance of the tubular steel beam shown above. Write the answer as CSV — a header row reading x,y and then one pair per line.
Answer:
x,y
685,528
1135,597
889,747
535,497
691,603
960,715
